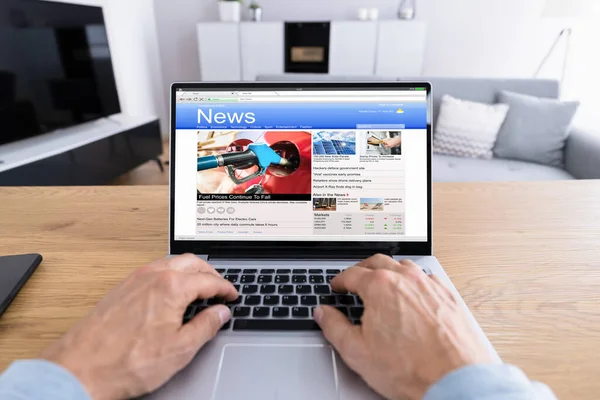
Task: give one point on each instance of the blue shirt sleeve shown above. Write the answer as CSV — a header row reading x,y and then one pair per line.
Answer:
x,y
488,382
40,380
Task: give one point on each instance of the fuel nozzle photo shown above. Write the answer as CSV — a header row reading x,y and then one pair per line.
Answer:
x,y
259,154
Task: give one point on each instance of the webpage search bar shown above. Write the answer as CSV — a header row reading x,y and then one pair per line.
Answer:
x,y
380,126
317,99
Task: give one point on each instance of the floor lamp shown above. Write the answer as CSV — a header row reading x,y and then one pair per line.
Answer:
x,y
564,9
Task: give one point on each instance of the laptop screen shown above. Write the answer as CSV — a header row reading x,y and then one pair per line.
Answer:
x,y
267,164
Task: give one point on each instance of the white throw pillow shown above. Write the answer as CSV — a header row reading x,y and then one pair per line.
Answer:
x,y
468,129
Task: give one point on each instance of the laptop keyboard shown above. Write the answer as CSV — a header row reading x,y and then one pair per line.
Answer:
x,y
280,299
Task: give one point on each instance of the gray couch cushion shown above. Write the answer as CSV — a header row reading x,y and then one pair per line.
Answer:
x,y
456,169
535,128
485,90
582,154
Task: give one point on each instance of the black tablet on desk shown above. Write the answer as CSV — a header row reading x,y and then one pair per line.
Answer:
x,y
14,272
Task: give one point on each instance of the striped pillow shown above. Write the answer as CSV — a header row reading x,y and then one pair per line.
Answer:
x,y
468,129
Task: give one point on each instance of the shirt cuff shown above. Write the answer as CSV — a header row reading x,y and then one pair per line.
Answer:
x,y
40,379
486,381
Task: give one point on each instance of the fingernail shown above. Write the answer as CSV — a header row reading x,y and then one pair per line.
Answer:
x,y
224,314
318,314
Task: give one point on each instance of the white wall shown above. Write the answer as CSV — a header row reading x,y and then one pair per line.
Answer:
x,y
583,78
155,46
466,37
509,38
131,28
134,46
176,24
484,38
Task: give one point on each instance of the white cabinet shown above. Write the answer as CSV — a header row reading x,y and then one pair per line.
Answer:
x,y
234,52
352,47
219,47
400,48
261,49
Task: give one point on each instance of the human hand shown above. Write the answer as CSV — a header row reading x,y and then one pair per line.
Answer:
x,y
412,332
393,142
133,341
373,141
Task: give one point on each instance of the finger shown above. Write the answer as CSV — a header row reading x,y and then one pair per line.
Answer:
x,y
191,263
408,267
379,261
441,288
344,337
204,326
205,286
351,280
408,263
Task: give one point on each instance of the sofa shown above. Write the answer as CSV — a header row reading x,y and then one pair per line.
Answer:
x,y
582,151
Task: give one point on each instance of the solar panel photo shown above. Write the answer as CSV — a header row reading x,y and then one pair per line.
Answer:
x,y
318,148
334,143
347,148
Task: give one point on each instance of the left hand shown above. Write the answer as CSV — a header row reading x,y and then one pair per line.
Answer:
x,y
133,341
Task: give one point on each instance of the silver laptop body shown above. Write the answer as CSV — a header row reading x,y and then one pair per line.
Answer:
x,y
279,354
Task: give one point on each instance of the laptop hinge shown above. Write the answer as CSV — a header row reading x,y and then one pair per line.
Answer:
x,y
205,257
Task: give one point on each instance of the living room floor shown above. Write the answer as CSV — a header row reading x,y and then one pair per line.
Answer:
x,y
148,173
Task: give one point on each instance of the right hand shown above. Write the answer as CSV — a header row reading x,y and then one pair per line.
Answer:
x,y
412,332
393,142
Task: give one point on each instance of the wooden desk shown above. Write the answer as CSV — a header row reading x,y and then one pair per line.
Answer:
x,y
525,256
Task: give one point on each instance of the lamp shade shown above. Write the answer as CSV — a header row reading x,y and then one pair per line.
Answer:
x,y
570,8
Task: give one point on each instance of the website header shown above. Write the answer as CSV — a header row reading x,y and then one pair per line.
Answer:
x,y
393,115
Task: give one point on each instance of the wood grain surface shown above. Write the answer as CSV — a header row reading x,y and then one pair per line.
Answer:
x,y
525,256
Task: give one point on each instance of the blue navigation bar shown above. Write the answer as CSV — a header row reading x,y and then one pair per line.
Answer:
x,y
348,115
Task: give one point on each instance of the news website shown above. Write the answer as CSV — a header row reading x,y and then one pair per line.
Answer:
x,y
293,166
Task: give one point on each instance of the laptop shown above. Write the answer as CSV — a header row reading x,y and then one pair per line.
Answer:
x,y
278,187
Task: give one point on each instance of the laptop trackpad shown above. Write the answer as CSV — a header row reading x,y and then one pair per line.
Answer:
x,y
276,372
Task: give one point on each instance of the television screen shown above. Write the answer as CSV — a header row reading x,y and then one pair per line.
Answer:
x,y
55,68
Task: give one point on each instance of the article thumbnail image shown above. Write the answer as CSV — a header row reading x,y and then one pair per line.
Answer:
x,y
334,143
375,204
254,162
383,143
324,204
